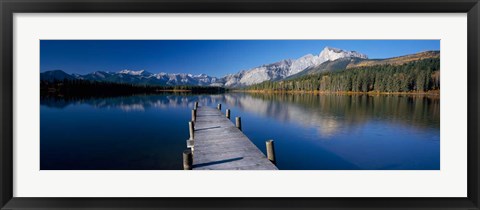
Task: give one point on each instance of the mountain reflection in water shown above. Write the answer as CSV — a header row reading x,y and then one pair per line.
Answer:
x,y
339,131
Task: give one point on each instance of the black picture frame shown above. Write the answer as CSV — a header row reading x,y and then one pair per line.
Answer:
x,y
9,7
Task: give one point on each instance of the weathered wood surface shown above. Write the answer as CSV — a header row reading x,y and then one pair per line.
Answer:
x,y
219,145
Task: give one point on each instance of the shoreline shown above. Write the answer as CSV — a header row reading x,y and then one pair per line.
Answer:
x,y
429,93
434,93
173,90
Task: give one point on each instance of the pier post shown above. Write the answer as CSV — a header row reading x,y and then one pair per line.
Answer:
x,y
271,151
194,115
227,113
190,144
196,105
191,129
219,106
238,122
187,159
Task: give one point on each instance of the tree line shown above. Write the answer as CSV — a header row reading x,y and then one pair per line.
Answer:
x,y
81,88
421,76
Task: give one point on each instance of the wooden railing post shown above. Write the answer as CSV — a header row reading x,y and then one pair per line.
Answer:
x,y
219,106
271,151
187,159
238,122
227,113
196,105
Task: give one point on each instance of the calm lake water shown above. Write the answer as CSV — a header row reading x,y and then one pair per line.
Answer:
x,y
311,132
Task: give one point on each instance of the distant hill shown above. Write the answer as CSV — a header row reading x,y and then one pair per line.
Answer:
x,y
396,60
55,75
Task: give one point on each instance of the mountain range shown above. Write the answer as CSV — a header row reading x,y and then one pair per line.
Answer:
x,y
329,59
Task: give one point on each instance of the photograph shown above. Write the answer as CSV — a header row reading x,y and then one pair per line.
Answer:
x,y
240,104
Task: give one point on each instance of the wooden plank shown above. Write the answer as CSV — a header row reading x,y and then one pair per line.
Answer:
x,y
219,145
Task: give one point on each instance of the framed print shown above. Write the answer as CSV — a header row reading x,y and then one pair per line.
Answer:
x,y
239,105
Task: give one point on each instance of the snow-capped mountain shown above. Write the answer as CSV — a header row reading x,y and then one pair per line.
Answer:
x,y
135,73
185,79
274,71
303,63
327,54
286,68
137,77
268,72
331,54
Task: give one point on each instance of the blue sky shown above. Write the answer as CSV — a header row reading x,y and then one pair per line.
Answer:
x,y
212,57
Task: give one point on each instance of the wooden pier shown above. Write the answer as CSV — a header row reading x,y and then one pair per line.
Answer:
x,y
219,145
